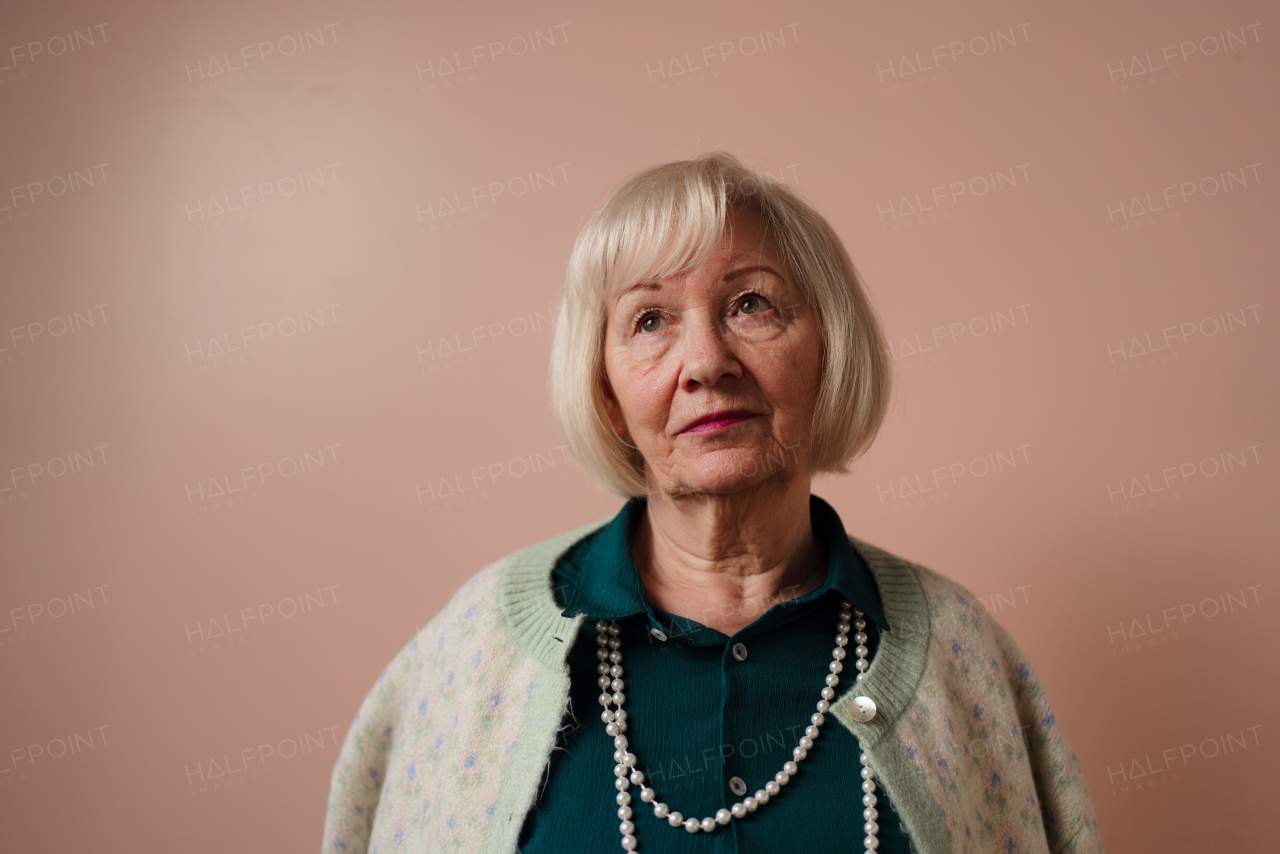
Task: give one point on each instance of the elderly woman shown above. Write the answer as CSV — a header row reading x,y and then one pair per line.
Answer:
x,y
763,681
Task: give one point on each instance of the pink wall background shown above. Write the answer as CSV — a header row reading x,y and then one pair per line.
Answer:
x,y
279,277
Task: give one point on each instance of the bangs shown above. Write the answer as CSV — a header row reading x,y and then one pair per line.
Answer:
x,y
662,227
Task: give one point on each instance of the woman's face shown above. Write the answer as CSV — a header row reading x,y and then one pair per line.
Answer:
x,y
731,335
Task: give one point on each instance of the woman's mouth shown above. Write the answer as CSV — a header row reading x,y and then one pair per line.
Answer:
x,y
716,421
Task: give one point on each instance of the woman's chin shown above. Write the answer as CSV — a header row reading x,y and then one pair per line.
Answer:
x,y
728,471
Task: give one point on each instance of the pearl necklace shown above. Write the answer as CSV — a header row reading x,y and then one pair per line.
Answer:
x,y
626,772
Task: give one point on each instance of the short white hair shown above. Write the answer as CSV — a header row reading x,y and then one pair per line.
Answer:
x,y
668,218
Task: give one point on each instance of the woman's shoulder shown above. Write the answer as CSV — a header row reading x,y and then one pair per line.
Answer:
x,y
509,580
889,567
922,592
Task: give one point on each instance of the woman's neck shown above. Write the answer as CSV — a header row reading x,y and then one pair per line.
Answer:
x,y
723,560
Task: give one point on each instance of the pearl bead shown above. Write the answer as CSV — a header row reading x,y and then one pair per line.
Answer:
x,y
860,638
832,680
871,843
782,777
862,757
871,828
772,787
866,773
868,800
799,752
762,797
624,813
738,810
623,798
752,803
790,767
871,814
647,795
823,706
817,719
868,786
675,819
637,776
660,809
708,824
692,825
627,828
629,843
621,784
807,740
620,742
723,816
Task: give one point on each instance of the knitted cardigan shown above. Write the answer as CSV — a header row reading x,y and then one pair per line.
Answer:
x,y
448,748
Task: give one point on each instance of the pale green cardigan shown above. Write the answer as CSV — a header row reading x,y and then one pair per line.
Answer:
x,y
448,750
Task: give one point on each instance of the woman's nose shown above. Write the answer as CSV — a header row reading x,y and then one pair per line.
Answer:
x,y
706,353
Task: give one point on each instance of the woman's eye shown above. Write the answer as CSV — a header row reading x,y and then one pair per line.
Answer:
x,y
752,304
650,323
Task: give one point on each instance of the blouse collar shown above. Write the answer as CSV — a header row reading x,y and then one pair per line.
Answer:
x,y
606,583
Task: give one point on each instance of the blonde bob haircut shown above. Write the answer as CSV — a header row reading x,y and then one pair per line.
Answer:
x,y
667,219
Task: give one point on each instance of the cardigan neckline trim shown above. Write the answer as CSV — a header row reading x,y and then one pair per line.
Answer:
x,y
528,607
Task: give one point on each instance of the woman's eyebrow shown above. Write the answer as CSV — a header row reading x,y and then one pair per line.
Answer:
x,y
728,277
649,286
733,274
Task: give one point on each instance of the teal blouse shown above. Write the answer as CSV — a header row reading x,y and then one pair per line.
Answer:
x,y
703,721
